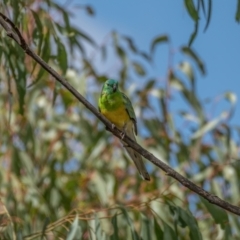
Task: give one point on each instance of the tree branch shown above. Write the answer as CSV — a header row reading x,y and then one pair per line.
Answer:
x,y
13,32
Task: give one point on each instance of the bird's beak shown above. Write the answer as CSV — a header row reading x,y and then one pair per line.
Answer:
x,y
114,87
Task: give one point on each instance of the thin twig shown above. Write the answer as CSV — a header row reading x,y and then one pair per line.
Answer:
x,y
9,26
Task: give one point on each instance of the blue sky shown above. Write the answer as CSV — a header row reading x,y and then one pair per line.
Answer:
x,y
218,47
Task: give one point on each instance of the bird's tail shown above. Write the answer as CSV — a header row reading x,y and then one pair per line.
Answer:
x,y
136,157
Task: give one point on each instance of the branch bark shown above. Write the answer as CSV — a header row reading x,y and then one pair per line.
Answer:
x,y
13,32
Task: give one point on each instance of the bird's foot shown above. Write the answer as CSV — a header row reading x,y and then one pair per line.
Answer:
x,y
122,135
112,126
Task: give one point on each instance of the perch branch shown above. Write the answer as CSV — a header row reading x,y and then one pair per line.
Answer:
x,y
14,33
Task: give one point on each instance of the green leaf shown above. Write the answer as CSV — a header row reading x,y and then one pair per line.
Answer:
x,y
66,20
75,230
130,224
219,215
19,235
157,229
146,232
191,9
130,44
90,10
122,54
209,14
194,34
37,20
62,57
84,36
21,86
168,232
114,236
189,96
158,40
203,7
45,53
185,218
145,56
237,16
98,229
189,52
138,69
46,222
149,85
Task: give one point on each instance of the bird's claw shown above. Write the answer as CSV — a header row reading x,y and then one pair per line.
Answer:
x,y
112,126
122,135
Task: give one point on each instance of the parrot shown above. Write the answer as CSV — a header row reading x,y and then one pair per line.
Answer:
x,y
118,109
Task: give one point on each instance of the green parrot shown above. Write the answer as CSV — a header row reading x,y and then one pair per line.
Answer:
x,y
117,108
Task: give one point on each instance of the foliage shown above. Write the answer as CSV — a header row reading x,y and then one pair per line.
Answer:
x,y
63,176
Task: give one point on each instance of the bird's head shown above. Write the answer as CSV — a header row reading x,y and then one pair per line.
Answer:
x,y
110,86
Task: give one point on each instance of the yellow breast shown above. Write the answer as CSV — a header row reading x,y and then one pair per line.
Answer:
x,y
118,117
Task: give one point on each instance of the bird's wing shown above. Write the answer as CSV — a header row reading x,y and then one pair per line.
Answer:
x,y
130,111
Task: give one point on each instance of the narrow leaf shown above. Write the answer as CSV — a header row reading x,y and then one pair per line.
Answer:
x,y
186,68
158,40
146,232
168,233
237,17
209,126
46,222
138,69
37,20
192,54
209,14
131,44
219,215
158,230
130,223
74,231
194,34
203,7
62,57
191,9
114,236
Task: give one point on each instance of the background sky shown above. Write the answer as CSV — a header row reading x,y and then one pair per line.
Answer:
x,y
218,47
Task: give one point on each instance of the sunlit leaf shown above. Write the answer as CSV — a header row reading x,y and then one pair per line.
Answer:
x,y
209,126
188,51
74,230
231,97
186,68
